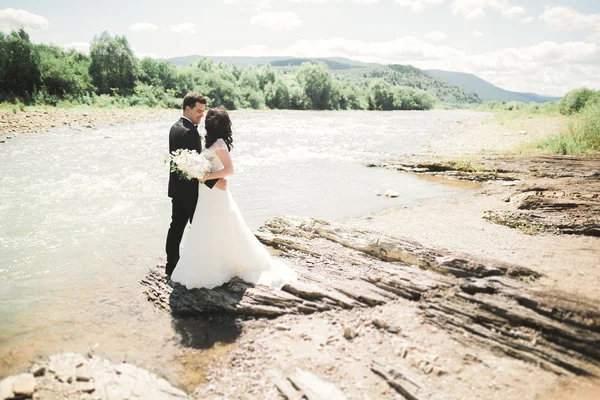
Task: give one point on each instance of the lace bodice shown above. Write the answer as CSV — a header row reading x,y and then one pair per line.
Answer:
x,y
211,155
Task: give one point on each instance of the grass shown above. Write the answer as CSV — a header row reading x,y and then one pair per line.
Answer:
x,y
579,136
466,165
582,135
530,229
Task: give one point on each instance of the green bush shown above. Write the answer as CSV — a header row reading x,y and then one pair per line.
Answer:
x,y
575,100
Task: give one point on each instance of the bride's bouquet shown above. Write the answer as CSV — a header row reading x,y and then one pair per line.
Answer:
x,y
189,164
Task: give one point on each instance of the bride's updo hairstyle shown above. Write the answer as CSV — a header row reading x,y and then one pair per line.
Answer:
x,y
218,126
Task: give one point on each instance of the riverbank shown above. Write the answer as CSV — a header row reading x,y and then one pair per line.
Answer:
x,y
41,119
430,299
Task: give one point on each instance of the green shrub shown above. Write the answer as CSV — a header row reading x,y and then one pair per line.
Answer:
x,y
575,100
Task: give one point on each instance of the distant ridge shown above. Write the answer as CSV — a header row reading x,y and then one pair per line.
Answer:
x,y
239,61
485,90
339,62
333,63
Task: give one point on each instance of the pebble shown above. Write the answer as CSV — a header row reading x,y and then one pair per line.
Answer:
x,y
38,370
6,388
24,385
282,327
350,333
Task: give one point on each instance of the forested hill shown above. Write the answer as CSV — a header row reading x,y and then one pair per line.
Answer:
x,y
406,75
240,61
409,76
296,62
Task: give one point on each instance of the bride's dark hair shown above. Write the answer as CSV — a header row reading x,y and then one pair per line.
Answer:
x,y
218,126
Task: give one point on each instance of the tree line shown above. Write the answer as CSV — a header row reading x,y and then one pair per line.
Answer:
x,y
111,75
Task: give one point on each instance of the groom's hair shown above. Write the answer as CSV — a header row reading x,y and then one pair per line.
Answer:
x,y
191,99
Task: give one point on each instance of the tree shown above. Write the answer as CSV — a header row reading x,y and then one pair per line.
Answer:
x,y
381,96
114,66
157,73
351,98
19,65
315,81
64,74
277,95
267,75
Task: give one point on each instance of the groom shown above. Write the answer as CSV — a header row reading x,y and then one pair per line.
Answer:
x,y
183,192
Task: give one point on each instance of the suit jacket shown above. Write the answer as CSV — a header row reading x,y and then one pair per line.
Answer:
x,y
184,135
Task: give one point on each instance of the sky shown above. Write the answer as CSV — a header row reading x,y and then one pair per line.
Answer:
x,y
539,46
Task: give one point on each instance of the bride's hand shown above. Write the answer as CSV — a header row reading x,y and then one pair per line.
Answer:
x,y
204,178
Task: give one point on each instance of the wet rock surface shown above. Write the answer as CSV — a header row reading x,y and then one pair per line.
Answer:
x,y
551,194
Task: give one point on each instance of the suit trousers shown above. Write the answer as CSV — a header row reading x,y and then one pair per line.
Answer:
x,y
182,212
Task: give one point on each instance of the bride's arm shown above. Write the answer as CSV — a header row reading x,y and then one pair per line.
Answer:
x,y
227,164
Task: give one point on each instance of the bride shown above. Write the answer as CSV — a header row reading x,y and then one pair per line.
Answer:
x,y
219,245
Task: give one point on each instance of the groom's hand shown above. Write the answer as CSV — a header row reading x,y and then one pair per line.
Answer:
x,y
221,184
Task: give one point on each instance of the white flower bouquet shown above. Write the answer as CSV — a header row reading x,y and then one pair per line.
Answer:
x,y
189,164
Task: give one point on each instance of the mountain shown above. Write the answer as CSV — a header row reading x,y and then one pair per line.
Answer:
x,y
486,90
239,61
333,62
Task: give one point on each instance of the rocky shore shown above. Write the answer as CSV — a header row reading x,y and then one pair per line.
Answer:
x,y
491,294
73,376
42,120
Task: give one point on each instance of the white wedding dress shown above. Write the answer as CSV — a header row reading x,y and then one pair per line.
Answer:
x,y
220,246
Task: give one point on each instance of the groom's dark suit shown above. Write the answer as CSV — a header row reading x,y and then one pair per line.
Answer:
x,y
183,192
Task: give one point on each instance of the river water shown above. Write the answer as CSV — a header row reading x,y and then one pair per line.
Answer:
x,y
84,214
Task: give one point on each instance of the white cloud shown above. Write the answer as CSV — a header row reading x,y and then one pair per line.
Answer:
x,y
477,33
11,19
547,67
185,28
527,20
365,2
144,55
265,4
279,21
143,27
476,9
595,36
565,18
514,12
436,36
418,6
81,47
255,4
